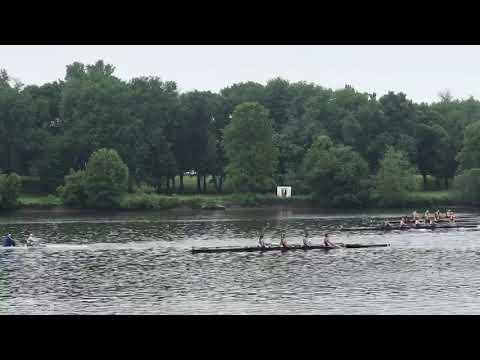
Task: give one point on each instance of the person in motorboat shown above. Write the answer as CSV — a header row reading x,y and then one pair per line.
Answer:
x,y
283,240
306,241
8,241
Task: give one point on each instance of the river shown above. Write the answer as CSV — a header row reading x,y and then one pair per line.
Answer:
x,y
140,263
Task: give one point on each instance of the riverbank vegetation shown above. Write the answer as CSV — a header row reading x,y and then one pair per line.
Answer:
x,y
94,140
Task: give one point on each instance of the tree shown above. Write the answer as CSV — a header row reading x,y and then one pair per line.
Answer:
x,y
432,150
101,184
156,107
10,188
336,175
106,178
73,192
95,113
395,178
199,112
467,186
16,126
469,156
249,148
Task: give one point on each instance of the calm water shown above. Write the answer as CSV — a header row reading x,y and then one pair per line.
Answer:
x,y
140,264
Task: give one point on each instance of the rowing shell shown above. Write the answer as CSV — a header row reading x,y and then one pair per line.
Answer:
x,y
279,248
407,228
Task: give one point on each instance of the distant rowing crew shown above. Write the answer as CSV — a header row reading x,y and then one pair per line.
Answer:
x,y
283,240
436,216
428,219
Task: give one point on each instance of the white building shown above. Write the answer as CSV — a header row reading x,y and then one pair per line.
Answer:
x,y
284,191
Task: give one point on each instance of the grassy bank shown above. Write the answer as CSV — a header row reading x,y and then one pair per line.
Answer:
x,y
424,199
155,201
419,199
29,200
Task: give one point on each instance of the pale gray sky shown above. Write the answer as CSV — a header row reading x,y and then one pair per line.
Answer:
x,y
420,71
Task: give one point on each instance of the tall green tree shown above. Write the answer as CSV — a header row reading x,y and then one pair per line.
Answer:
x,y
432,150
336,174
469,156
199,111
395,178
95,113
155,105
249,148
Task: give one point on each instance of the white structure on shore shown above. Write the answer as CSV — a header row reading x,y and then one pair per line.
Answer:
x,y
284,191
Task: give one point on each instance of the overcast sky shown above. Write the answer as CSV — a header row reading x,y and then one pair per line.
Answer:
x,y
420,71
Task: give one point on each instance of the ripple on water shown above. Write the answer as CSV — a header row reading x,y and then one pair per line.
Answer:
x,y
140,264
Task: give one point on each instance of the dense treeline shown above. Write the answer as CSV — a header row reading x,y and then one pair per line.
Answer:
x,y
328,142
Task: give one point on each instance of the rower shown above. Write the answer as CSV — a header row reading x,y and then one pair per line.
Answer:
x,y
327,242
437,215
30,240
417,223
261,242
8,241
426,215
386,225
283,240
414,214
306,242
402,222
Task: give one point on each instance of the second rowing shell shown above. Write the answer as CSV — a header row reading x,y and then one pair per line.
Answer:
x,y
279,248
407,228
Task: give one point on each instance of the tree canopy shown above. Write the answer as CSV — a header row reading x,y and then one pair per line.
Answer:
x,y
250,149
161,133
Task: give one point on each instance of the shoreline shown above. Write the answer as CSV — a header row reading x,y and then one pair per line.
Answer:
x,y
139,202
228,207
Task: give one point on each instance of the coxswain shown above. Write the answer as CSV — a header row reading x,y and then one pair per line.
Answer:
x,y
283,240
8,241
327,242
306,241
